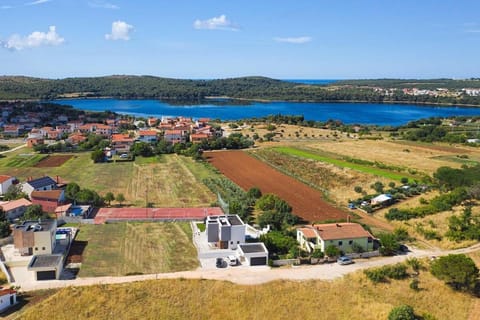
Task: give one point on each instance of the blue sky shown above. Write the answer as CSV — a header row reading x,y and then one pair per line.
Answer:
x,y
301,39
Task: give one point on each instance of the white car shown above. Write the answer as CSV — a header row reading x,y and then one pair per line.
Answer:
x,y
344,260
232,260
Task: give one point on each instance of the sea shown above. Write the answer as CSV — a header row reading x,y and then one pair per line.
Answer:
x,y
350,113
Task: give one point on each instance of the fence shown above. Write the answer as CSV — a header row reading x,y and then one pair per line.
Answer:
x,y
285,262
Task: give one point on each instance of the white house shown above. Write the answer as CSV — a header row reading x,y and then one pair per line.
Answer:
x,y
344,236
381,199
8,297
227,231
40,184
5,183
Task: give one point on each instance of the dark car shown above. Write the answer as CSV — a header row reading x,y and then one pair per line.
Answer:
x,y
219,262
403,248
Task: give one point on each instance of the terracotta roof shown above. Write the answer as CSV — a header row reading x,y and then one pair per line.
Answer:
x,y
121,137
168,132
4,292
334,231
4,178
47,194
63,208
147,133
13,204
308,232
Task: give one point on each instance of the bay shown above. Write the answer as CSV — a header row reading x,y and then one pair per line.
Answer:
x,y
349,113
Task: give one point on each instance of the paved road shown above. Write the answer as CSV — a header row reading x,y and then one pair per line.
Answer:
x,y
251,275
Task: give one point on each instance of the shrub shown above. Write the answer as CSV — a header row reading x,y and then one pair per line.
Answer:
x,y
403,312
332,251
376,275
397,271
414,284
457,270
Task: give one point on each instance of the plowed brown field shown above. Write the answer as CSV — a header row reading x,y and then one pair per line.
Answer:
x,y
248,172
53,161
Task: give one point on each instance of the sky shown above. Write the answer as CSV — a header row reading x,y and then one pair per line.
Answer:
x,y
204,39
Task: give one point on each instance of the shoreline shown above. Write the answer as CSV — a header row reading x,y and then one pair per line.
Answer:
x,y
260,100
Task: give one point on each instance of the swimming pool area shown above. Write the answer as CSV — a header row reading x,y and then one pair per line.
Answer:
x,y
77,211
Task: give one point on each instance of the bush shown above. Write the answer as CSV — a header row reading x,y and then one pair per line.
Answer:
x,y
397,271
457,270
403,312
376,275
414,284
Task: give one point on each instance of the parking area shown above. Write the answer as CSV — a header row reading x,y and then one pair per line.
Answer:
x,y
208,255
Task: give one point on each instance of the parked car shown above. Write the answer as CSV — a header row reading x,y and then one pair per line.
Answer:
x,y
403,248
219,263
124,156
232,260
344,260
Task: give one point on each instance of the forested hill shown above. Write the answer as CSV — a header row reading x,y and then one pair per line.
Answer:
x,y
250,88
136,87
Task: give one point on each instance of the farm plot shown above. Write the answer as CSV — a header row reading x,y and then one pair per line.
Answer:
x,y
169,183
336,183
134,248
412,156
248,172
340,163
53,161
24,160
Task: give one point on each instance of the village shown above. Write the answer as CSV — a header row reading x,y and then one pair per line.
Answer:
x,y
44,218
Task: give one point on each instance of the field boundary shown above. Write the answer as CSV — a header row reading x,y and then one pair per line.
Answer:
x,y
340,163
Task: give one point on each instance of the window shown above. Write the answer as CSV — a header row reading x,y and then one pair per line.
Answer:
x,y
340,243
370,240
43,248
350,242
36,249
238,242
231,242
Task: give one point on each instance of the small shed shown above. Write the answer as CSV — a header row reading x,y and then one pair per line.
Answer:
x,y
8,298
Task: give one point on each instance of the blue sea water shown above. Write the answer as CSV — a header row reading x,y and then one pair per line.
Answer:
x,y
311,81
350,113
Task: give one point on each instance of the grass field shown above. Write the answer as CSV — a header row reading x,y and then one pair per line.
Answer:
x,y
169,180
340,163
352,297
133,248
24,160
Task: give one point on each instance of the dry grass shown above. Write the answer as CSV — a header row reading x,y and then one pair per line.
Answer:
x,y
168,183
353,297
391,153
134,248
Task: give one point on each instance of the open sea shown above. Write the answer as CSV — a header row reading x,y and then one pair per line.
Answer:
x,y
349,113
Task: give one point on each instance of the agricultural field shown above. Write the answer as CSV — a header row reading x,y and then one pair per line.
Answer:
x,y
166,181
24,160
247,172
351,297
119,249
419,157
53,161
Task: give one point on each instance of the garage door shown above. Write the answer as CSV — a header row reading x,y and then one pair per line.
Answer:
x,y
258,261
46,275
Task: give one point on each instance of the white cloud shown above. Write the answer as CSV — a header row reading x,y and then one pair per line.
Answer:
x,y
35,39
296,40
34,3
103,5
216,23
473,31
120,31
6,7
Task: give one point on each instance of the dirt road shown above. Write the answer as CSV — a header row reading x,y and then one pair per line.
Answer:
x,y
252,275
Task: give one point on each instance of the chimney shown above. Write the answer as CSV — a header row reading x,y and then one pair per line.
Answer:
x,y
56,179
